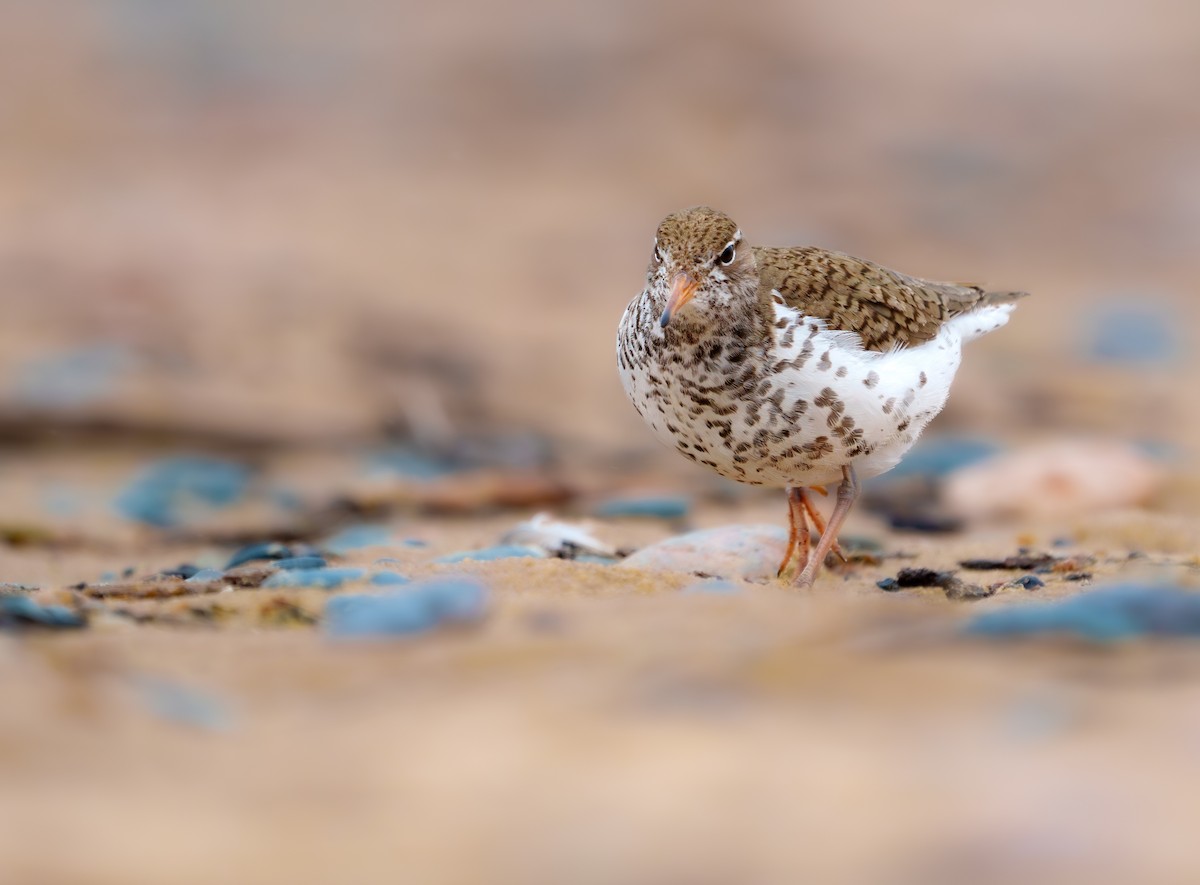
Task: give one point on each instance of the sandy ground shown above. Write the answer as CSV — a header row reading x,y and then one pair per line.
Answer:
x,y
293,238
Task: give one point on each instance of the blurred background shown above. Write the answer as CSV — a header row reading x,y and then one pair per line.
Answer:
x,y
317,240
300,223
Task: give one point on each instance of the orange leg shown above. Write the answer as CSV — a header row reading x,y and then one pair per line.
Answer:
x,y
805,537
819,522
847,494
797,527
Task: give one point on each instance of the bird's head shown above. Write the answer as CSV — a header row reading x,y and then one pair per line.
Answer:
x,y
699,269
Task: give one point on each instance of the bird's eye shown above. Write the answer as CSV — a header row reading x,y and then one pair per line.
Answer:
x,y
727,256
657,255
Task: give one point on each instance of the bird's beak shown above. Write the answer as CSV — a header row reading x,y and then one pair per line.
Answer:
x,y
683,288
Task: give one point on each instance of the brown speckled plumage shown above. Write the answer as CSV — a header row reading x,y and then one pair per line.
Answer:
x,y
884,308
791,367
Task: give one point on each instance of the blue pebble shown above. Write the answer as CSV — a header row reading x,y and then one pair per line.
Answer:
x,y
938,456
161,494
652,506
18,612
203,576
184,570
713,585
61,500
327,578
293,563
500,551
263,550
286,499
1029,582
413,609
388,579
356,537
1106,614
406,462
183,705
72,379
1131,331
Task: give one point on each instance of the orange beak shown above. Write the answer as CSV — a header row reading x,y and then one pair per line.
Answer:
x,y
683,288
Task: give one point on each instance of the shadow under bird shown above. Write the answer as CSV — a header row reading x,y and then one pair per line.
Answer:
x,y
791,367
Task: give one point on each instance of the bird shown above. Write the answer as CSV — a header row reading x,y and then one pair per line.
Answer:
x,y
792,367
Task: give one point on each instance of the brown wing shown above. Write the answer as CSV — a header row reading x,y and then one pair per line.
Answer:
x,y
884,307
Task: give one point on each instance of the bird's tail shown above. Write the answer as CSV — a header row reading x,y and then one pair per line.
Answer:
x,y
989,314
994,298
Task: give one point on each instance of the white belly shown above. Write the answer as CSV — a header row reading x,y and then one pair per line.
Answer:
x,y
795,410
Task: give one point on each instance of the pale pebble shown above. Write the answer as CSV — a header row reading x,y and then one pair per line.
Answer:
x,y
1053,479
752,552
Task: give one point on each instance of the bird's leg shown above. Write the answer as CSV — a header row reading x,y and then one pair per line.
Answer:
x,y
805,537
847,494
819,522
797,527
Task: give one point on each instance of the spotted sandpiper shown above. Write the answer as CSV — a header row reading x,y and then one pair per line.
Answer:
x,y
791,367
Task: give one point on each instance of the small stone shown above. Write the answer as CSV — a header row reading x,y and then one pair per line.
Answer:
x,y
252,574
1054,480
958,589
1106,614
356,537
1028,582
167,492
557,538
1021,562
67,381
1132,330
269,550
184,570
937,456
713,586
500,551
293,563
182,705
326,578
853,544
388,579
749,552
649,506
911,503
952,586
22,613
413,609
921,577
204,576
409,463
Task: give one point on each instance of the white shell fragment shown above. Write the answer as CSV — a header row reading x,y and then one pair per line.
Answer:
x,y
557,538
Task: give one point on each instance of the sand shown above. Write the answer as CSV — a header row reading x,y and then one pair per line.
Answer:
x,y
296,239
